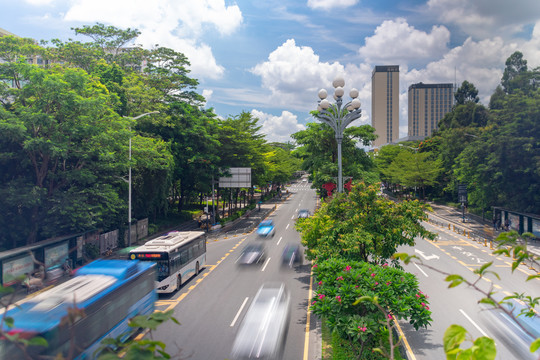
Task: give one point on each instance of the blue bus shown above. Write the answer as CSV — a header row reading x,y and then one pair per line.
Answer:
x,y
109,291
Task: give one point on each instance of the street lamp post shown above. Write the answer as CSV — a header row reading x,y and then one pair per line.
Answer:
x,y
129,175
338,117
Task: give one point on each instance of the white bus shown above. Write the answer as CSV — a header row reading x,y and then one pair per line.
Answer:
x,y
179,255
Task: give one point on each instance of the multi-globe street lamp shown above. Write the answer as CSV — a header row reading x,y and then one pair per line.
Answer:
x,y
338,116
129,175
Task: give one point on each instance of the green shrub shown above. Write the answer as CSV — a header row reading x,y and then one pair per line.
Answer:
x,y
91,251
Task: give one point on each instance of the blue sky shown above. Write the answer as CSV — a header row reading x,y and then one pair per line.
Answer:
x,y
271,57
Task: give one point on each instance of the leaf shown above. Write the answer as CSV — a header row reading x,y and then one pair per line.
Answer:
x,y
531,277
535,345
488,301
484,349
453,337
38,341
483,268
454,280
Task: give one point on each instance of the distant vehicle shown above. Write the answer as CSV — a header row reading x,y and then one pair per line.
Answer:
x,y
507,329
303,213
266,228
252,254
304,180
179,255
263,331
110,292
292,255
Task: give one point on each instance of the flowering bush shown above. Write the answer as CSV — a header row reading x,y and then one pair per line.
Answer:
x,y
342,282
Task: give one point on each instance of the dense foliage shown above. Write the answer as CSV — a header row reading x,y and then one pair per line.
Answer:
x,y
67,124
342,282
494,151
362,226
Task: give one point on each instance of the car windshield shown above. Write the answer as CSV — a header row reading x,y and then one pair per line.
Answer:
x,y
266,223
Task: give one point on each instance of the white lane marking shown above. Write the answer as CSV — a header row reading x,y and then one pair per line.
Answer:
x,y
292,217
287,226
239,311
472,322
281,237
418,267
266,263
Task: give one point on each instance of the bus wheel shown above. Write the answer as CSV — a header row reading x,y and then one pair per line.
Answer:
x,y
197,269
178,282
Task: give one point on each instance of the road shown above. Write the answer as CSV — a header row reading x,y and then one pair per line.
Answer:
x,y
211,306
452,253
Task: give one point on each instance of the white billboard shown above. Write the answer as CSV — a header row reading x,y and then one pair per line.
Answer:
x,y
240,178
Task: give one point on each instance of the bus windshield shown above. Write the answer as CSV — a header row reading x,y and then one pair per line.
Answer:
x,y
162,269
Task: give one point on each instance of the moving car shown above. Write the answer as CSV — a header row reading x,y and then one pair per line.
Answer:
x,y
292,255
303,213
266,228
252,254
263,331
516,331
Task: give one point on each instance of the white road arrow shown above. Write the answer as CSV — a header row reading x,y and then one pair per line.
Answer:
x,y
430,257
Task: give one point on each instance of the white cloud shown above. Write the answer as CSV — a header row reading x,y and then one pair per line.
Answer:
x,y
39,2
294,75
178,24
207,94
395,41
203,63
531,48
479,62
328,4
484,18
278,128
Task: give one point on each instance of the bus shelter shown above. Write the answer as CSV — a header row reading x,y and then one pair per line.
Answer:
x,y
42,256
520,222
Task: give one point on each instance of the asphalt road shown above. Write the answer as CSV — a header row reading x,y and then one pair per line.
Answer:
x,y
211,306
453,253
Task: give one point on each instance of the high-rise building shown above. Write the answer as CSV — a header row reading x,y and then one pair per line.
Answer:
x,y
428,103
385,103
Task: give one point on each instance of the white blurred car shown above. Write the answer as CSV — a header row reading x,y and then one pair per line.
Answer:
x,y
263,331
517,332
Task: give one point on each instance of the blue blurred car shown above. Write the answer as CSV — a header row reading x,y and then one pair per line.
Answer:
x,y
266,228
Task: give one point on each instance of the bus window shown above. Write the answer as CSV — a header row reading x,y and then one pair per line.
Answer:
x,y
184,256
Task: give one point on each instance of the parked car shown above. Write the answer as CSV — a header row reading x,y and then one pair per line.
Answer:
x,y
292,255
252,254
263,332
266,228
303,213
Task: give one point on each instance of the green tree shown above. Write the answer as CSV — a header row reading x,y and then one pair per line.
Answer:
x,y
362,226
281,165
415,169
318,150
497,99
65,151
502,165
516,67
467,92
